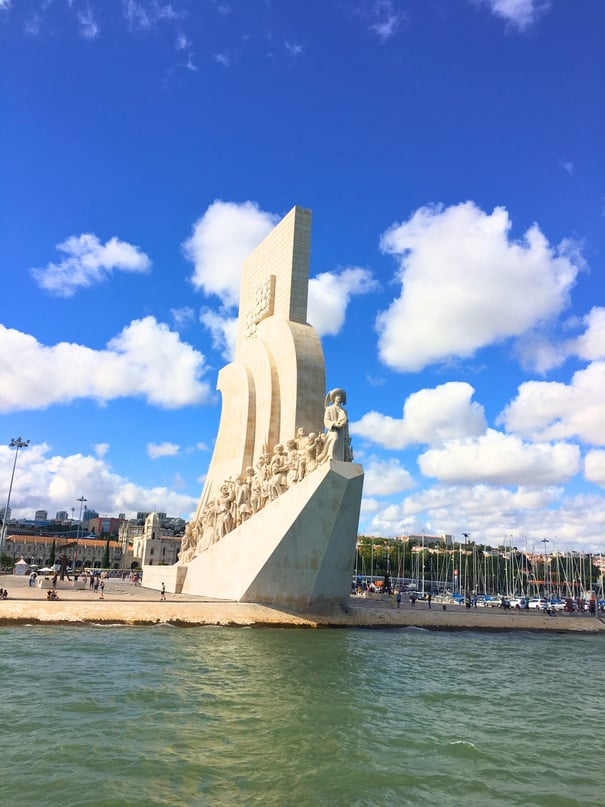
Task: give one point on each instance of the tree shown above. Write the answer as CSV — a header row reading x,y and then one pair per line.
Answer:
x,y
105,562
53,554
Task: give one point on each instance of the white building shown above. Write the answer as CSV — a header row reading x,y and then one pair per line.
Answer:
x,y
152,546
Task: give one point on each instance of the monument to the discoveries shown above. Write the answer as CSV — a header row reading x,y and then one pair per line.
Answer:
x,y
277,519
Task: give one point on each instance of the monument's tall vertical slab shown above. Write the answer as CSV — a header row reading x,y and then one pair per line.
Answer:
x,y
276,383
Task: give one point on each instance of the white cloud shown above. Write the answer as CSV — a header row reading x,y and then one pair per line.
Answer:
x,y
222,58
501,459
5,5
521,14
223,330
494,515
145,360
182,317
182,42
466,285
330,294
591,344
87,262
384,477
155,450
293,50
430,416
220,242
385,18
145,14
594,467
89,28
54,481
101,449
550,410
567,166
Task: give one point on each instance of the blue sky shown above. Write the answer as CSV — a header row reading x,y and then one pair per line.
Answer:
x,y
452,154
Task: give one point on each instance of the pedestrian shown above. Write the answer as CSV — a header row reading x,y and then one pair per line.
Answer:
x,y
413,598
101,589
163,592
429,597
398,599
92,581
96,584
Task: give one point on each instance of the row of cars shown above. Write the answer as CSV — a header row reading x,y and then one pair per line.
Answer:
x,y
568,605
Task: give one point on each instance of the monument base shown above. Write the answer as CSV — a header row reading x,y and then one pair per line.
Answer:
x,y
297,553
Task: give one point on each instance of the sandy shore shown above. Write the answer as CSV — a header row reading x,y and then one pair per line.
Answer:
x,y
126,604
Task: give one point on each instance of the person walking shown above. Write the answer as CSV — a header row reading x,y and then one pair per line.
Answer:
x,y
101,589
398,598
429,597
163,592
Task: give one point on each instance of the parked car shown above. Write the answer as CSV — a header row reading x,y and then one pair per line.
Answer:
x,y
540,603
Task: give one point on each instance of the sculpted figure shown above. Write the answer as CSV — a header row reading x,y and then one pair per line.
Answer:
x,y
312,449
243,510
279,471
265,475
338,443
188,544
293,469
222,509
255,490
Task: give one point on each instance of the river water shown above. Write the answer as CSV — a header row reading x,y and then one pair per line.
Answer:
x,y
167,716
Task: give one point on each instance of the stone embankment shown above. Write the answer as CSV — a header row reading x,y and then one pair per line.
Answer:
x,y
125,603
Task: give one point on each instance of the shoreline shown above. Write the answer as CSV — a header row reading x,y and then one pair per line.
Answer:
x,y
126,604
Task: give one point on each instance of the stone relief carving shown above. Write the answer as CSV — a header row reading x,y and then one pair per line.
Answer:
x,y
264,302
273,474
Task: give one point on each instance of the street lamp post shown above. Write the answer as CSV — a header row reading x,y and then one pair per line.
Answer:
x,y
16,444
81,500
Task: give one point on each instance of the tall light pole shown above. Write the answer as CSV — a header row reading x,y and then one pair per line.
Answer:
x,y
81,500
16,444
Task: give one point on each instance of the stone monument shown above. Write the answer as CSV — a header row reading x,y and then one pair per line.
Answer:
x,y
277,519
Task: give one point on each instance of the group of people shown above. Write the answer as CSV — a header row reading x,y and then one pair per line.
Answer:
x,y
3,594
239,499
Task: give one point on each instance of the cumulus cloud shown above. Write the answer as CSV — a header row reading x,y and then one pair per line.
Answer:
x,y
591,344
182,317
330,293
551,410
384,477
430,416
524,516
101,449
88,262
466,284
156,450
501,459
50,481
145,360
220,242
223,330
594,467
520,14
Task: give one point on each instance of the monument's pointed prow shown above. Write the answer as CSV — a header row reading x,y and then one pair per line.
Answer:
x,y
277,518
